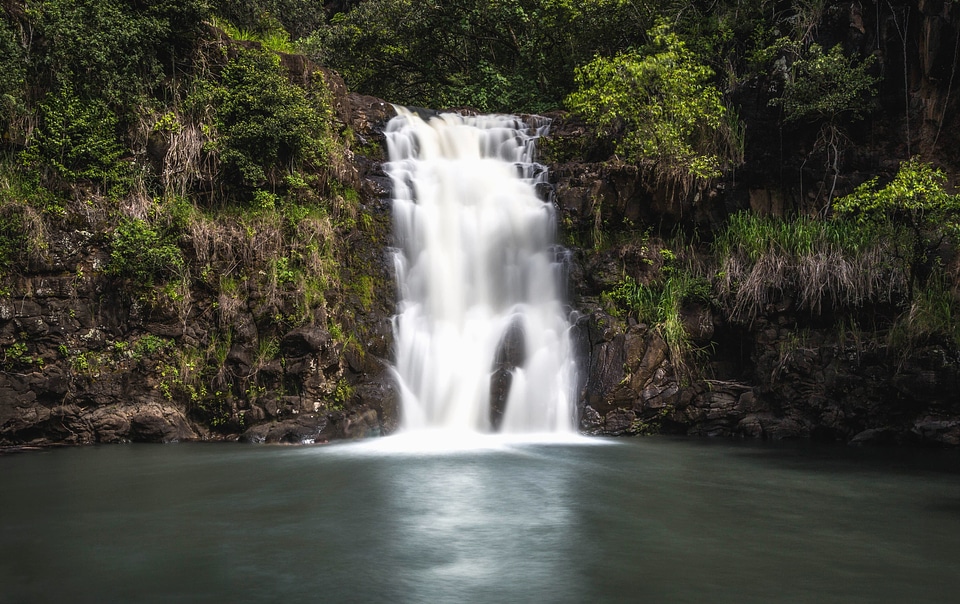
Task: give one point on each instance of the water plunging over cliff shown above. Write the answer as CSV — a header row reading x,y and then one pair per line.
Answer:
x,y
481,334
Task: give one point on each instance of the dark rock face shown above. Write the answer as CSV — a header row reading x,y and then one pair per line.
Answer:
x,y
81,361
764,380
511,354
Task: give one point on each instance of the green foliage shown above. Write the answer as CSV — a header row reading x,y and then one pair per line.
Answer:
x,y
14,355
13,73
23,231
657,103
826,86
342,395
273,38
660,305
266,17
143,254
265,124
933,316
91,66
489,54
916,195
110,49
12,240
78,140
916,199
754,237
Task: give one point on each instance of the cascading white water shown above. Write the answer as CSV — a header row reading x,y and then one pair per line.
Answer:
x,y
479,277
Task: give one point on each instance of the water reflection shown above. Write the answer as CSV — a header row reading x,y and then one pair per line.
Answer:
x,y
640,520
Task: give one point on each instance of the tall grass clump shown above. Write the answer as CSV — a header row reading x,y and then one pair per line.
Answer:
x,y
660,305
274,37
933,316
822,265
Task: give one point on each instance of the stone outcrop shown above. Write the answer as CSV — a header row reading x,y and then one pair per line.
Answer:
x,y
782,375
83,359
83,363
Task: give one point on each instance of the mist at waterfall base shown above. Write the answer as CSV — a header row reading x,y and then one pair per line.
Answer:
x,y
636,520
482,337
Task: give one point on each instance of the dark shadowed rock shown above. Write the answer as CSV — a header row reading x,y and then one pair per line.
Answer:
x,y
160,424
305,340
303,429
511,353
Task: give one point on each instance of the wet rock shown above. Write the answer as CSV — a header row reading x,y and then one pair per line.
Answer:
x,y
590,422
304,429
363,423
381,394
938,431
875,436
159,424
500,382
619,422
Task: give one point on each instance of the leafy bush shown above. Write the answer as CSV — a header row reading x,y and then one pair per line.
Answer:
x,y
657,104
143,254
915,198
111,49
266,125
79,140
827,86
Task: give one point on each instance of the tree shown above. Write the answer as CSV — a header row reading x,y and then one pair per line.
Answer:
x,y
494,55
914,198
827,88
266,125
657,103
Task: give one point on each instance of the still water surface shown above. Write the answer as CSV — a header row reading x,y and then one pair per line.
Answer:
x,y
640,520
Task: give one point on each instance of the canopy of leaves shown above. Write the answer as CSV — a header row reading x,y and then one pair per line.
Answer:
x,y
916,199
112,49
494,55
657,103
916,195
77,139
827,85
267,125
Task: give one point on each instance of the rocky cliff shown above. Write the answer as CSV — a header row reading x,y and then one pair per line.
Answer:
x,y
788,372
86,359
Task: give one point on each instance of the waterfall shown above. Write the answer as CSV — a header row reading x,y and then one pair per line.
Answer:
x,y
482,339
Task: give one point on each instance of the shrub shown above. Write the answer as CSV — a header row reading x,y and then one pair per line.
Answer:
x,y
827,86
79,141
141,253
657,104
916,199
266,125
110,49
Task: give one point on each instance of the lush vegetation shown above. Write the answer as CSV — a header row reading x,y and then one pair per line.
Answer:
x,y
656,103
203,176
174,129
